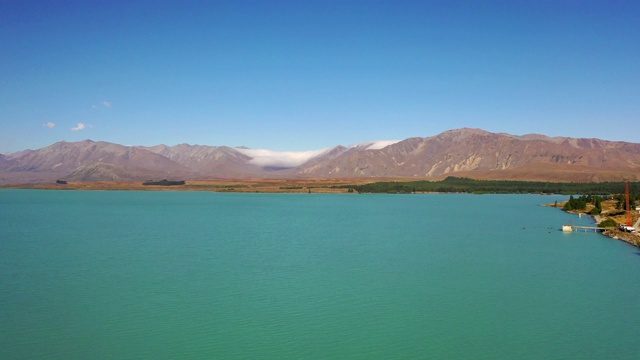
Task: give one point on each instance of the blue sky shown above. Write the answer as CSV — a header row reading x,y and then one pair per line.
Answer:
x,y
302,75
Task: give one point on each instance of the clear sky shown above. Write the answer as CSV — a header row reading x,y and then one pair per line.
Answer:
x,y
302,75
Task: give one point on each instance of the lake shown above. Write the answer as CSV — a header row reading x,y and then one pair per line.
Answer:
x,y
202,275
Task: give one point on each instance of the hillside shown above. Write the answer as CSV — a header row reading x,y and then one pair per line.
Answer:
x,y
471,153
481,154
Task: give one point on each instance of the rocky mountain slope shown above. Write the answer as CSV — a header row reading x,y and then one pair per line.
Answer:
x,y
208,161
464,152
89,160
480,154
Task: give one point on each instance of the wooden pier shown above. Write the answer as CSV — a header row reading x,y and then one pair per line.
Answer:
x,y
570,228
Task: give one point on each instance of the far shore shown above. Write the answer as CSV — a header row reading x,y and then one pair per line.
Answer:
x,y
221,185
321,186
614,233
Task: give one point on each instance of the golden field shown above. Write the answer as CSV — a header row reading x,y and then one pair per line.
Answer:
x,y
226,185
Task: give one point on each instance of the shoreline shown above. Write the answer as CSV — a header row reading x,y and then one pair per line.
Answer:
x,y
629,238
632,239
220,185
274,186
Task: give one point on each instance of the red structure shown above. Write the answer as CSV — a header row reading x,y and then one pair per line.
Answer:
x,y
628,205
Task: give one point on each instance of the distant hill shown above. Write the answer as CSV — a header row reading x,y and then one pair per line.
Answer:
x,y
483,155
463,152
88,160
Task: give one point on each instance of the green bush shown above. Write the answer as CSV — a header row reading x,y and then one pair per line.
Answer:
x,y
607,223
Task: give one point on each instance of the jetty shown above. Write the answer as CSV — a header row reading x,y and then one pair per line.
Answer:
x,y
571,228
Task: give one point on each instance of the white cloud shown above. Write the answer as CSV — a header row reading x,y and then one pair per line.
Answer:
x,y
287,159
103,103
79,127
49,124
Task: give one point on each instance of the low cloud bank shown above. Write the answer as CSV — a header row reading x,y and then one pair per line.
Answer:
x,y
290,159
285,159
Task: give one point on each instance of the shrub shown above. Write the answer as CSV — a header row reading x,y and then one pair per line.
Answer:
x,y
607,223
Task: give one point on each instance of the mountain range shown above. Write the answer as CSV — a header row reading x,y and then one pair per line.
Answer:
x,y
465,152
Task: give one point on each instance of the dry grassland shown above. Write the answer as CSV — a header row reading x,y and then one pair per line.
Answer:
x,y
236,185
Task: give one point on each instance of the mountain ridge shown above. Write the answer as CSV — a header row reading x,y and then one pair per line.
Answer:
x,y
467,152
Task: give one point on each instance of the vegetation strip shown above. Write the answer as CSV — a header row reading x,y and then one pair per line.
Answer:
x,y
466,185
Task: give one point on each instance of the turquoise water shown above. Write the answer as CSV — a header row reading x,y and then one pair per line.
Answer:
x,y
180,275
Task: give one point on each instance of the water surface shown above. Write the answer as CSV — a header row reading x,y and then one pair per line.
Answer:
x,y
195,275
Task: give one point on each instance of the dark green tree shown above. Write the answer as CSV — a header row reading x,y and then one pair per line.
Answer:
x,y
568,206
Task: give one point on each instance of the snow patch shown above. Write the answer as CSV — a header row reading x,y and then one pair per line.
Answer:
x,y
374,145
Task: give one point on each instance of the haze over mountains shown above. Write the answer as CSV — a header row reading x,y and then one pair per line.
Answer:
x,y
463,152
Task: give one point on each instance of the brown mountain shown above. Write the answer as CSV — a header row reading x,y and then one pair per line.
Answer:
x,y
88,160
481,154
208,161
463,152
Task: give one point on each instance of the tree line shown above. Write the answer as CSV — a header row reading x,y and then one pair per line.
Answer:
x,y
580,203
465,185
164,182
